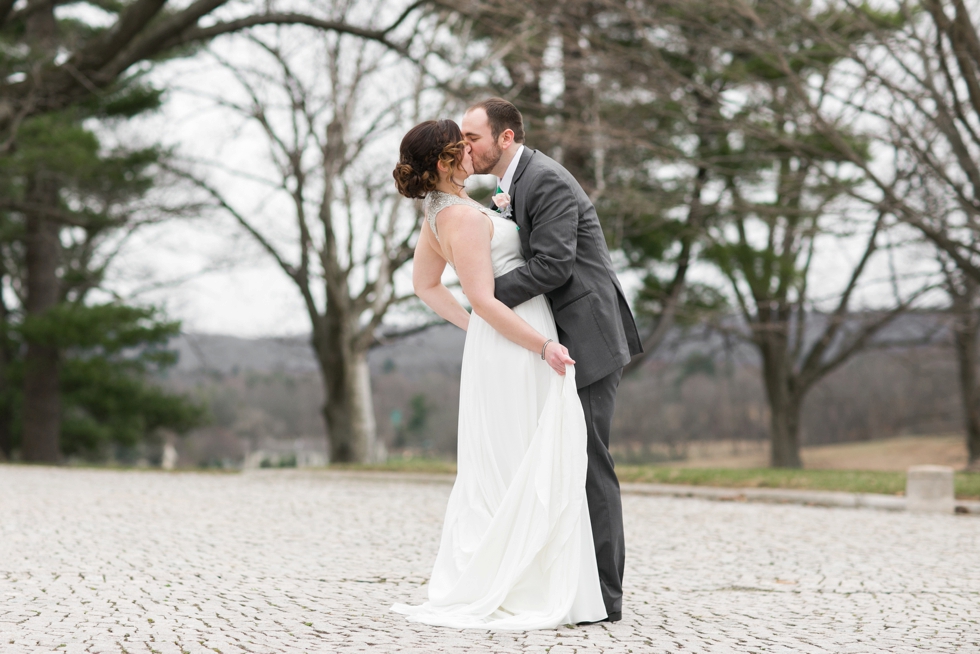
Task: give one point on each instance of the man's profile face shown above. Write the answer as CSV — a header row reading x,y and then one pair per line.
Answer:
x,y
484,148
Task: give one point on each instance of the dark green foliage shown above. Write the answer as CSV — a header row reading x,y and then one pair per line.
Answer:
x,y
698,363
111,354
95,182
419,414
700,300
413,432
106,330
128,99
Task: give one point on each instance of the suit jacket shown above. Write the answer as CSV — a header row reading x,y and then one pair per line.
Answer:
x,y
569,263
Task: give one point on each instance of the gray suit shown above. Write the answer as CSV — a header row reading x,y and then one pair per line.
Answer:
x,y
569,263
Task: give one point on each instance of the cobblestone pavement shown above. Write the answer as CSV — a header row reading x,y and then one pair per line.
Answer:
x,y
295,561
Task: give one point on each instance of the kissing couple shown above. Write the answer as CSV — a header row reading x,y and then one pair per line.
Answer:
x,y
533,534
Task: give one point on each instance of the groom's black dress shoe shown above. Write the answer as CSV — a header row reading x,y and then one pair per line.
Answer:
x,y
615,616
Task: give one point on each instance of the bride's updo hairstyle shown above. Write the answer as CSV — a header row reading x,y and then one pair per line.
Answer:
x,y
423,147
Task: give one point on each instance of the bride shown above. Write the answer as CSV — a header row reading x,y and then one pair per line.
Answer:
x,y
516,549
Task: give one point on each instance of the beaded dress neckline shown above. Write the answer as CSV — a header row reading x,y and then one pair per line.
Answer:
x,y
436,201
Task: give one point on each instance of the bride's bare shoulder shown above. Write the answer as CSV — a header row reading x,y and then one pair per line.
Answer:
x,y
460,218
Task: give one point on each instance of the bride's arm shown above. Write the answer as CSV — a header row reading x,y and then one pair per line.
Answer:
x,y
467,236
427,269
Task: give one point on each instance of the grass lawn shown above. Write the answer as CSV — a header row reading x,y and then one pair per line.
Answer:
x,y
853,481
419,465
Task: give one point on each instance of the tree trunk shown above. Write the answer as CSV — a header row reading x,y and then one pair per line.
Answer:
x,y
965,331
785,425
6,433
42,392
784,405
575,139
348,409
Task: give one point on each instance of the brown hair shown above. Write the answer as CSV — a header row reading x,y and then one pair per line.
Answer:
x,y
502,115
422,148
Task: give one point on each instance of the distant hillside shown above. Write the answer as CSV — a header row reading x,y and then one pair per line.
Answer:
x,y
437,349
231,354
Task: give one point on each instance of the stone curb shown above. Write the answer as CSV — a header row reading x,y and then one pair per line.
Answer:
x,y
771,495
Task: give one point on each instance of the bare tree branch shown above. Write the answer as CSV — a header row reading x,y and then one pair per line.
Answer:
x,y
221,202
201,34
132,20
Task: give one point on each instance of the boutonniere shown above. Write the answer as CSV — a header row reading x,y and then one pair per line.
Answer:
x,y
502,201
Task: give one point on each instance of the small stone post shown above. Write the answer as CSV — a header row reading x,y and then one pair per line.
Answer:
x,y
929,489
169,461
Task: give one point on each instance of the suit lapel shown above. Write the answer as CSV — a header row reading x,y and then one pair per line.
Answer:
x,y
521,165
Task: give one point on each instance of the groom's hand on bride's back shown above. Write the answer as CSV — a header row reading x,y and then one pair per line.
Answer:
x,y
557,357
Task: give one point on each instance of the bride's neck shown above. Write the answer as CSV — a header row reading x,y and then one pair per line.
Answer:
x,y
447,185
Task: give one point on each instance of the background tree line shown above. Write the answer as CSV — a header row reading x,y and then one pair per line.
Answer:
x,y
699,397
793,175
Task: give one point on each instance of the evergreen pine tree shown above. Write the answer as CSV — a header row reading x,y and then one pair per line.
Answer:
x,y
76,377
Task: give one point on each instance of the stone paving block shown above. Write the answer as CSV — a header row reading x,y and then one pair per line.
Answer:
x,y
104,647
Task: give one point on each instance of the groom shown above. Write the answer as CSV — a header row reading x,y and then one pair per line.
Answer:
x,y
568,262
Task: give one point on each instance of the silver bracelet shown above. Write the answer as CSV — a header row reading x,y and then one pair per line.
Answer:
x,y
545,347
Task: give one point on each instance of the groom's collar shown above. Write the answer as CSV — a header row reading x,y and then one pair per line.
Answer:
x,y
522,164
504,183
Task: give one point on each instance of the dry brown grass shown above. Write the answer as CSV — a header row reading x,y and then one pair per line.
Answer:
x,y
892,454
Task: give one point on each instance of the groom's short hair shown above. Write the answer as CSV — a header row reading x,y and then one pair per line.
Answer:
x,y
502,115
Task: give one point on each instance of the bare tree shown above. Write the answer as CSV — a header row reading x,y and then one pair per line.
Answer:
x,y
784,200
906,75
909,76
918,72
51,69
964,294
351,233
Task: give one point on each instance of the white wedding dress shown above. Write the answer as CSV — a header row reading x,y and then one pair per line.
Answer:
x,y
516,549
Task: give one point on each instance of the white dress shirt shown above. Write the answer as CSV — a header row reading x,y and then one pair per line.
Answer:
x,y
505,183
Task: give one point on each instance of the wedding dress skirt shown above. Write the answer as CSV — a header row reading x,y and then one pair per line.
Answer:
x,y
516,549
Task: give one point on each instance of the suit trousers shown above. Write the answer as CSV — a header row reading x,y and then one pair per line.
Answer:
x,y
602,489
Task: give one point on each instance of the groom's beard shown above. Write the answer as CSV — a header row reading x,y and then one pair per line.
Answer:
x,y
484,165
